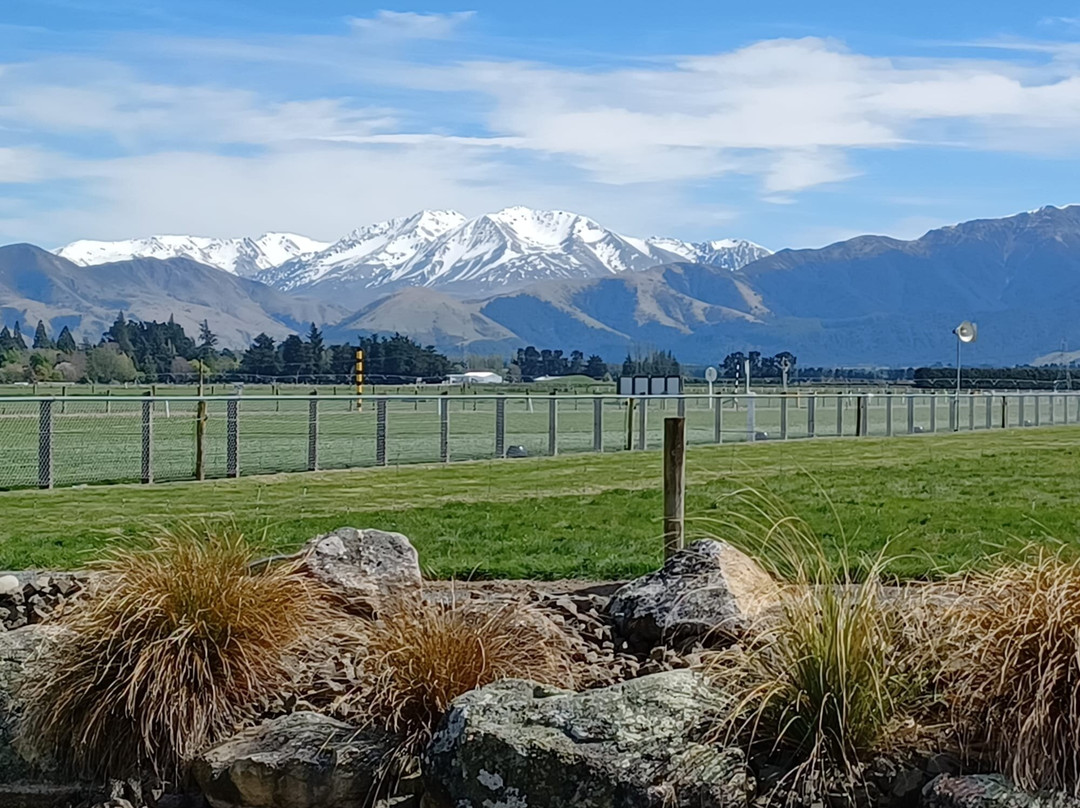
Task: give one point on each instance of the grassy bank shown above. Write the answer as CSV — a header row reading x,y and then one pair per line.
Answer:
x,y
943,501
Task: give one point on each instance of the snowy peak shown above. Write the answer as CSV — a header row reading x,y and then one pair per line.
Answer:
x,y
239,256
727,253
367,252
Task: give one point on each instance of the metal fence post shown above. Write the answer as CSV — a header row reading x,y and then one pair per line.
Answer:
x,y
598,424
444,429
500,427
45,449
1051,421
147,475
783,418
811,406
682,406
910,414
643,424
674,484
718,420
1020,410
1004,412
989,412
954,413
380,432
971,413
933,412
232,438
1038,409
888,414
313,434
839,416
553,424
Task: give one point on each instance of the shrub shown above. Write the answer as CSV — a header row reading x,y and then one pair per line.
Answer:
x,y
829,678
178,639
1012,678
419,656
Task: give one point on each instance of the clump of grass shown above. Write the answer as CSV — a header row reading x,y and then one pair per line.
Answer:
x,y
833,675
420,656
1012,676
177,641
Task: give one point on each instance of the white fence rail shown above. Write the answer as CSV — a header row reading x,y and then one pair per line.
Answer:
x,y
61,441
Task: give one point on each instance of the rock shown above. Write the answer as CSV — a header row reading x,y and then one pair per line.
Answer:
x,y
9,586
26,783
365,566
302,760
988,791
636,744
707,591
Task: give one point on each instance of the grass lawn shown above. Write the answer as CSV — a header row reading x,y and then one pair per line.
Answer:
x,y
942,501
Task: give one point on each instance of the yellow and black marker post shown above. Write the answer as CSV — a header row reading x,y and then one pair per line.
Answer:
x,y
359,380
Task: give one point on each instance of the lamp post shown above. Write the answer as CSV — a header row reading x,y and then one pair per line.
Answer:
x,y
965,332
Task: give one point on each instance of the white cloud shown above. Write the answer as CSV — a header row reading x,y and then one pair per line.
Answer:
x,y
410,24
231,154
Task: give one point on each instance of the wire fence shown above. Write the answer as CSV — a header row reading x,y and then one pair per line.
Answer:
x,y
63,441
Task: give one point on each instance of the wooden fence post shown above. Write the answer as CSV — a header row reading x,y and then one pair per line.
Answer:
x,y
200,440
674,485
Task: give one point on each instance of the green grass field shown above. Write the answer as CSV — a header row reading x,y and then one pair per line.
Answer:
x,y
100,440
942,502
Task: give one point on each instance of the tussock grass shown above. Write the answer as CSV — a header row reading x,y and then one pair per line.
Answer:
x,y
420,656
177,641
835,674
1012,674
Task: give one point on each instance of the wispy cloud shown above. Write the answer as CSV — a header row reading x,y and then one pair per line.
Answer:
x,y
410,24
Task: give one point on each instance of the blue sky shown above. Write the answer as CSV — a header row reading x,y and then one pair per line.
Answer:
x,y
792,124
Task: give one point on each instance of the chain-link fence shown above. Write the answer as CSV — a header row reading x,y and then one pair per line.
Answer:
x,y
46,442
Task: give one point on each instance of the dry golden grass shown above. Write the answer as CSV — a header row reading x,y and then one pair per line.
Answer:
x,y
1012,672
176,642
419,656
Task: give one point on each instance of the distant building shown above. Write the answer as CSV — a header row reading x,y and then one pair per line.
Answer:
x,y
475,377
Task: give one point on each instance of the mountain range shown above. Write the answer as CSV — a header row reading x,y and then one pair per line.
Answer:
x,y
555,279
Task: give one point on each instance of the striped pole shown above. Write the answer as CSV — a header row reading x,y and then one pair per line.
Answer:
x,y
359,380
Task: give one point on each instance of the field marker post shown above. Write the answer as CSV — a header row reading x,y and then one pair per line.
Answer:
x,y
313,433
598,424
783,418
811,407
553,424
380,432
718,420
643,424
629,424
444,428
888,414
500,427
232,437
910,414
108,404
200,440
63,399
45,449
839,416
147,476
674,485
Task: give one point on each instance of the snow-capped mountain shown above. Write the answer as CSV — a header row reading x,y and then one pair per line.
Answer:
x,y
496,252
727,253
239,256
368,255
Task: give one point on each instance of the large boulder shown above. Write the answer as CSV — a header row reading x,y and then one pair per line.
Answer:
x,y
26,782
707,591
638,744
301,760
988,791
364,566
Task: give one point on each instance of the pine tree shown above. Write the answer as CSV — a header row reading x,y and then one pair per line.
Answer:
x,y
41,337
295,356
66,342
17,338
316,352
595,367
261,359
7,343
120,334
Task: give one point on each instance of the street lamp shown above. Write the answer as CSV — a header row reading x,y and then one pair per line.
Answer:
x,y
965,332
